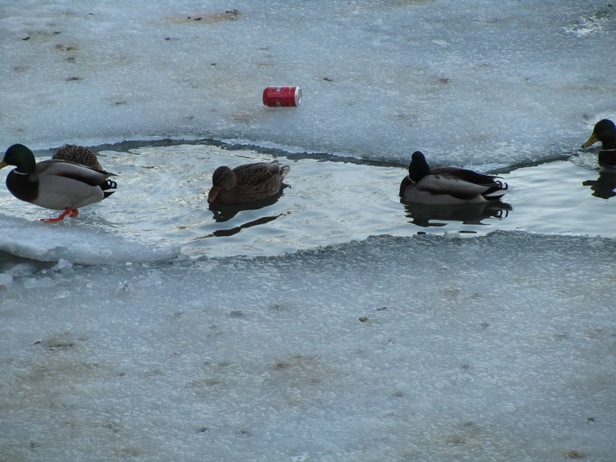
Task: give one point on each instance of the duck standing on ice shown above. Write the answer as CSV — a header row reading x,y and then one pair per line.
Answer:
x,y
55,184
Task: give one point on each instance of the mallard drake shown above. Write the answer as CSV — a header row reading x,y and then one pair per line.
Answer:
x,y
448,185
604,131
78,154
246,183
55,184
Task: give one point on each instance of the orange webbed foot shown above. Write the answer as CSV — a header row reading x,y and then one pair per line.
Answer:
x,y
67,212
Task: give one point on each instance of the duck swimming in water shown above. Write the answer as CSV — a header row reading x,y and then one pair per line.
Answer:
x,y
246,183
604,131
55,184
448,185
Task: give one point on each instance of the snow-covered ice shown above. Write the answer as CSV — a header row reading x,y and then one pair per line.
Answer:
x,y
422,348
471,83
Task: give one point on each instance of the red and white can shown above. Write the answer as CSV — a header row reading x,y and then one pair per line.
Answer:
x,y
282,96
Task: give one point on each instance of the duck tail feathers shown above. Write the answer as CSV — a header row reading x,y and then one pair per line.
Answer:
x,y
497,191
108,187
284,170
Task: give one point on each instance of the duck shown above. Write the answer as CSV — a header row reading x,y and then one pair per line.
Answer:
x,y
55,184
604,131
448,185
78,154
246,183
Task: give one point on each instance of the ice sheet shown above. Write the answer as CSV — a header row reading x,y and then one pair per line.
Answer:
x,y
471,84
84,244
424,348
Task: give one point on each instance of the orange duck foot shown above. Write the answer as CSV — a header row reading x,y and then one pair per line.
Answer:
x,y
67,212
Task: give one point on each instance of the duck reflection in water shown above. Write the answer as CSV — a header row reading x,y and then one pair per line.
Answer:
x,y
469,214
227,212
603,187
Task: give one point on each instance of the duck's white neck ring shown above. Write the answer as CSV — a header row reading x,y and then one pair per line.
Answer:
x,y
17,172
608,150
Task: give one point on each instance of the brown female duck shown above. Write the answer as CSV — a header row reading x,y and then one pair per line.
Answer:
x,y
78,154
246,183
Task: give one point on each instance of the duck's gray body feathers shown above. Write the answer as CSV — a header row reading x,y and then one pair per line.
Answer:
x,y
63,184
448,185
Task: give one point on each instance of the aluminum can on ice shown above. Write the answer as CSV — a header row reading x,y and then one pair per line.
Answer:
x,y
282,96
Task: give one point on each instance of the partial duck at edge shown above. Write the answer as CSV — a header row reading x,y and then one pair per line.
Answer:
x,y
605,132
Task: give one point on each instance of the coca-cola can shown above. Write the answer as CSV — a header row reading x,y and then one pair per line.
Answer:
x,y
282,96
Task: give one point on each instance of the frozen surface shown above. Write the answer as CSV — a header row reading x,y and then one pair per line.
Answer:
x,y
335,324
417,348
469,83
36,241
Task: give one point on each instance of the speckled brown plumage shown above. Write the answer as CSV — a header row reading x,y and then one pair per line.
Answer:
x,y
78,154
246,183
